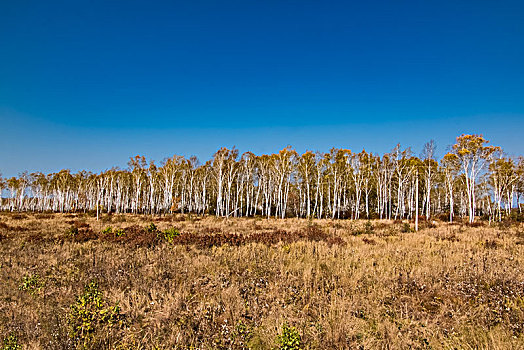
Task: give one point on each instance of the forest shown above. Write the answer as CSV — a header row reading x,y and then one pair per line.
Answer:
x,y
472,179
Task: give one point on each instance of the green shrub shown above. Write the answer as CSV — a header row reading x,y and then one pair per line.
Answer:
x,y
242,335
11,342
89,314
31,283
289,338
169,234
120,232
152,228
117,232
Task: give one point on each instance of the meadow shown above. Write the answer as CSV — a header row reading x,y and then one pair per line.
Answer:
x,y
179,281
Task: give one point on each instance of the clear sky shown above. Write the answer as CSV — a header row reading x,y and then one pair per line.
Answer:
x,y
88,84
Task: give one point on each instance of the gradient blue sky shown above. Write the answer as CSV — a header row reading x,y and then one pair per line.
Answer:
x,y
88,84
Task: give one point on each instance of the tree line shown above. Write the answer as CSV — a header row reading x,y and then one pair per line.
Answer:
x,y
472,179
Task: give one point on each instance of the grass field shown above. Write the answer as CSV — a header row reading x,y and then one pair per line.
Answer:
x,y
69,281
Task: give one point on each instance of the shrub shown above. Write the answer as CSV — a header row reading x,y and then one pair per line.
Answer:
x,y
116,233
120,232
31,283
368,227
289,338
80,232
242,335
169,234
406,228
11,342
517,216
152,228
90,314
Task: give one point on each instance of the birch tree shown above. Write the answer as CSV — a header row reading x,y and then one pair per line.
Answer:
x,y
473,155
430,171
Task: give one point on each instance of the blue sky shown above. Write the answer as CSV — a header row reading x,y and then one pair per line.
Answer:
x,y
88,84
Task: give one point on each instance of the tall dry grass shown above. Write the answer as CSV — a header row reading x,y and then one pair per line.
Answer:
x,y
341,284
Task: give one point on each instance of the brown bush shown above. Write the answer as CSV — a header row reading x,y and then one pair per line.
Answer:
x,y
18,216
179,218
43,216
310,233
8,228
452,237
491,244
164,219
369,241
476,224
84,235
80,224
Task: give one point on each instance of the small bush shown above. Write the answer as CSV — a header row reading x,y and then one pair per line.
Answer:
x,y
11,342
169,234
109,231
517,216
242,335
31,283
368,227
90,314
80,232
491,244
289,338
405,228
120,232
152,228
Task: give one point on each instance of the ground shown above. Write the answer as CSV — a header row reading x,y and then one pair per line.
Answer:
x,y
182,281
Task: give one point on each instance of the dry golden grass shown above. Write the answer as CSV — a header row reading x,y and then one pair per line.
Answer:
x,y
341,284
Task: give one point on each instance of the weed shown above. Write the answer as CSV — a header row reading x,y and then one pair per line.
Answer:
x,y
169,234
289,338
241,335
152,228
31,283
120,232
110,231
90,314
11,342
